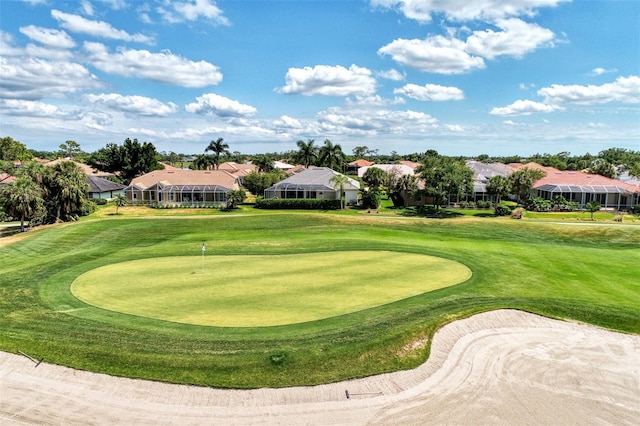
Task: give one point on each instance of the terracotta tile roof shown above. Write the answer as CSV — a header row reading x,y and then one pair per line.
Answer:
x,y
361,163
6,178
236,169
411,164
187,177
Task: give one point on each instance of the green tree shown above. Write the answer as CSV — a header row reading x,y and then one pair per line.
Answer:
x,y
499,186
307,153
444,177
202,162
21,198
12,150
257,182
70,149
129,160
264,162
603,168
592,207
522,182
331,155
235,197
374,177
401,187
218,147
67,191
634,170
360,151
338,181
120,201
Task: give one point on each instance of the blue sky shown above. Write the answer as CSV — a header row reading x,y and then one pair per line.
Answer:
x,y
497,77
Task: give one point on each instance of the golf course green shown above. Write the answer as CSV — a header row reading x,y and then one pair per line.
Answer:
x,y
264,290
294,298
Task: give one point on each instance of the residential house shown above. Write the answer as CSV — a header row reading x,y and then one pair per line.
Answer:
x,y
398,169
103,188
193,187
314,182
482,172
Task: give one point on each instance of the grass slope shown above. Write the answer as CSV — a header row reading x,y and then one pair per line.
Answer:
x,y
586,273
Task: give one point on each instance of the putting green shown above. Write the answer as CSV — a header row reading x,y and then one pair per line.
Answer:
x,y
249,291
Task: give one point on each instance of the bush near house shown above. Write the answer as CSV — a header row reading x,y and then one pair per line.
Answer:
x,y
297,204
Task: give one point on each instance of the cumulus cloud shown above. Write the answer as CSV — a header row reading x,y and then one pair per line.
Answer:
x,y
437,54
601,71
456,10
373,100
213,104
79,24
623,89
430,92
138,105
34,78
525,107
329,81
27,108
392,74
55,39
364,121
516,39
163,67
180,11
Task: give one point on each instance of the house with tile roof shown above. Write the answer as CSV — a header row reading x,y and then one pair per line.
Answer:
x,y
314,182
192,187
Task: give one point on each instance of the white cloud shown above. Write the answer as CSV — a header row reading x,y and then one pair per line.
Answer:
x,y
87,7
32,78
213,104
516,39
373,101
138,105
162,67
525,107
392,74
78,24
286,123
435,54
623,89
457,10
431,92
27,108
192,11
329,81
51,38
601,71
365,121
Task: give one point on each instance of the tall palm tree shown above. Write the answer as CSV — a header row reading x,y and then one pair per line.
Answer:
x,y
339,181
69,189
218,147
331,155
307,152
22,198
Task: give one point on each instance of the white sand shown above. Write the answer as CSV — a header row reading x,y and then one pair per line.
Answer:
x,y
501,367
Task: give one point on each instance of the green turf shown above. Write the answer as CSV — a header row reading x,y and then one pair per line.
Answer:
x,y
586,273
263,290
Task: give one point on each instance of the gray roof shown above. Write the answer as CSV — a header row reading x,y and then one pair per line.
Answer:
x,y
314,178
482,172
98,184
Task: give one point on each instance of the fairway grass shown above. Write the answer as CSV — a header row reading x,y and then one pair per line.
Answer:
x,y
258,291
582,273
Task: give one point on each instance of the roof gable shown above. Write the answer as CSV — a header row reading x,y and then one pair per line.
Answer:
x,y
317,177
220,178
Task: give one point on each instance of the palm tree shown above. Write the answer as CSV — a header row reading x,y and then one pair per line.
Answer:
x,y
307,153
499,186
202,162
592,207
263,162
338,181
69,189
120,201
22,198
218,147
331,155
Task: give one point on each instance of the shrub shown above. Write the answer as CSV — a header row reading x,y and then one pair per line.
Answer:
x,y
502,210
635,210
517,213
87,208
297,203
99,201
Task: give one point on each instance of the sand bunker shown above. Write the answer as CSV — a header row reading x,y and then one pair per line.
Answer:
x,y
500,367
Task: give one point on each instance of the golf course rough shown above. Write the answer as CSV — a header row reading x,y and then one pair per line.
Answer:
x,y
263,290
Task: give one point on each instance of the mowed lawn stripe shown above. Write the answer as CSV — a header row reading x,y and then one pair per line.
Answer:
x,y
254,291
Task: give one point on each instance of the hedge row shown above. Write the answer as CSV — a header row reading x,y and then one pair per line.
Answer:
x,y
297,203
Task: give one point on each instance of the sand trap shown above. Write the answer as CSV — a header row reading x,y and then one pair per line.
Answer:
x,y
501,367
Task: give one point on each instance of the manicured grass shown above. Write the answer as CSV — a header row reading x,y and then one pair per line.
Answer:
x,y
263,290
586,273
